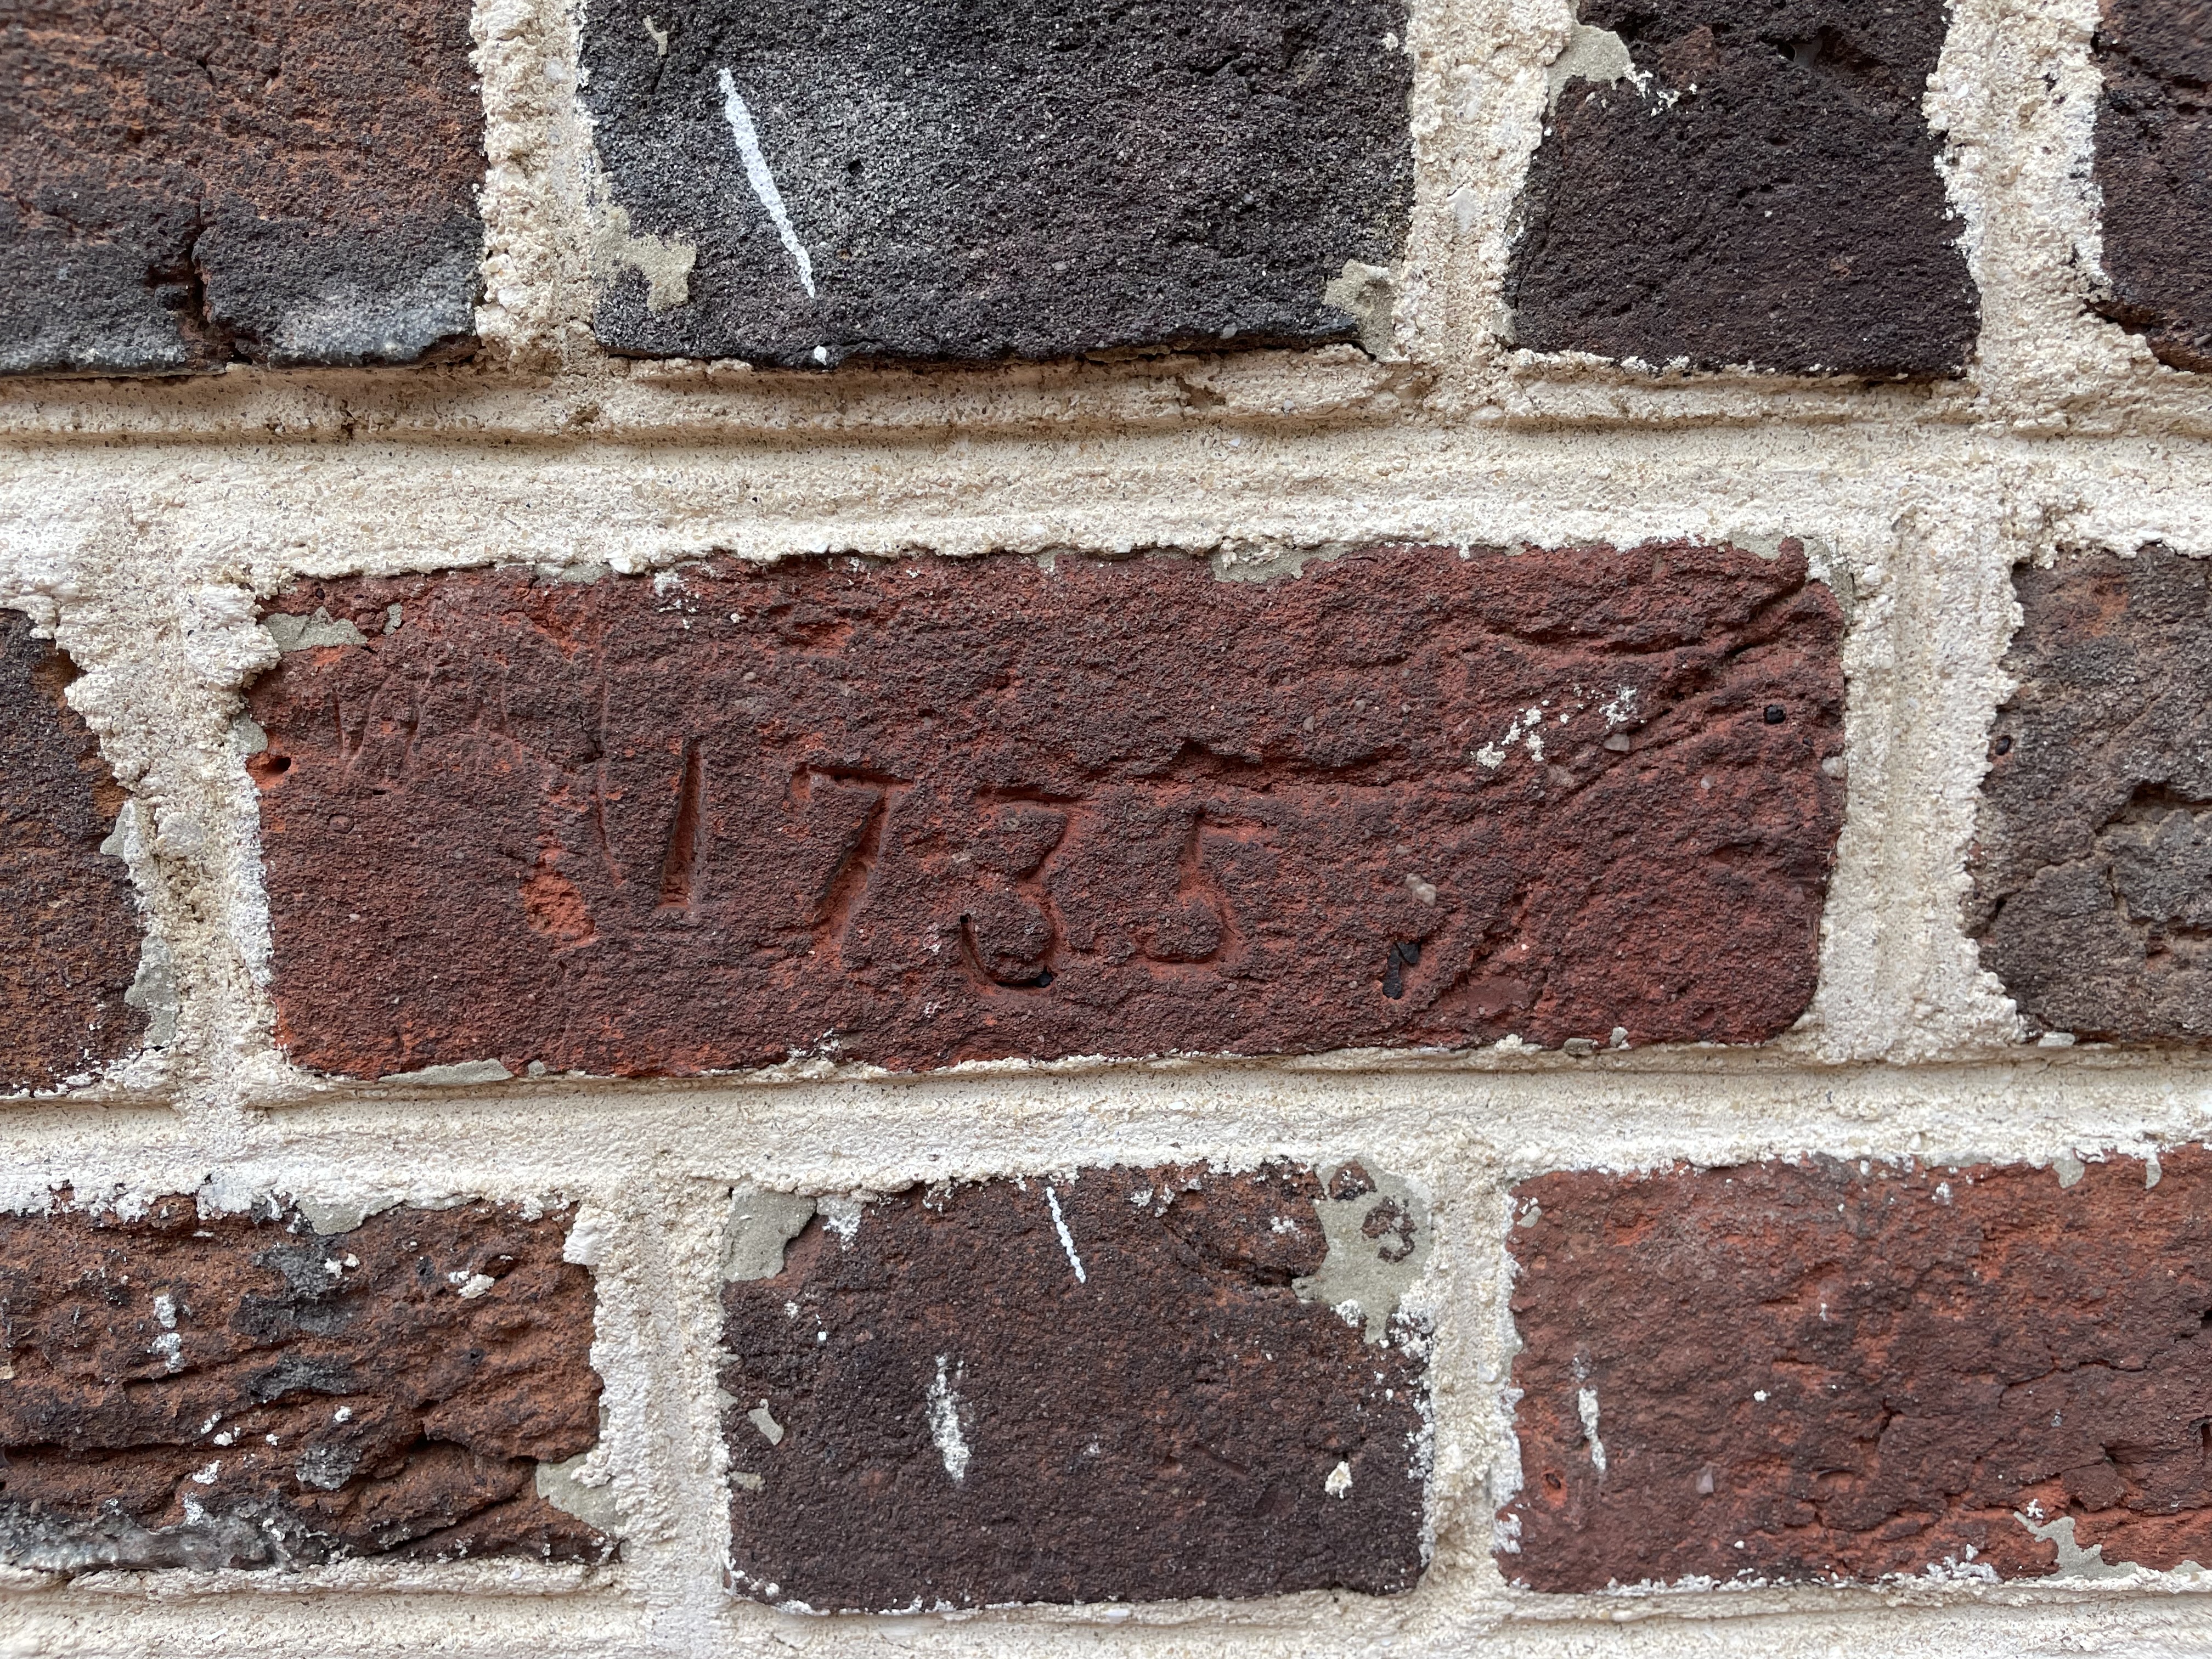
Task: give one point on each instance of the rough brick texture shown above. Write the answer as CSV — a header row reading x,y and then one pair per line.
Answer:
x,y
1046,178
1127,1384
1760,188
288,181
2094,846
69,929
930,811
1804,1371
2154,169
235,1390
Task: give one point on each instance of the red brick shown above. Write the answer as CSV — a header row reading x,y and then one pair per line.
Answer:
x,y
1837,1371
2154,171
288,181
236,1390
931,810
1116,1385
2093,839
68,924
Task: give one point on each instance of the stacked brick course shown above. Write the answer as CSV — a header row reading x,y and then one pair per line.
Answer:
x,y
1369,825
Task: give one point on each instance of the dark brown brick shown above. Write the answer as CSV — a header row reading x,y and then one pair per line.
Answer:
x,y
932,811
2153,168
236,1390
69,922
1830,1371
1119,1385
288,181
1761,190
2094,840
1035,179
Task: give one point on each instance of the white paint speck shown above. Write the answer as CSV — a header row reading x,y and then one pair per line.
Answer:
x,y
841,1216
477,1283
1282,1224
660,36
1586,1408
1067,1238
945,1424
762,181
1339,1484
206,1477
165,1309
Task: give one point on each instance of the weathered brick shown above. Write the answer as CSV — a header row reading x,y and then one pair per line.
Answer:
x,y
1829,1372
69,929
1046,178
1759,186
288,181
932,811
1116,1385
194,1390
2094,838
2154,169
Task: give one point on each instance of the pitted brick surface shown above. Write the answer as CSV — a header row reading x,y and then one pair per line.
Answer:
x,y
1099,1386
2154,170
233,1390
1804,1371
933,810
1047,178
288,181
1761,190
69,929
2094,844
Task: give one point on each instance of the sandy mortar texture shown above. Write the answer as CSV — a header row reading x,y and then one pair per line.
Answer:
x,y
142,523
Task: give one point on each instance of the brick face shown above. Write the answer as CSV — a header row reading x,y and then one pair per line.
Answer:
x,y
1123,1384
1831,1371
2094,845
2154,171
68,926
240,1391
927,811
1058,179
1758,187
185,185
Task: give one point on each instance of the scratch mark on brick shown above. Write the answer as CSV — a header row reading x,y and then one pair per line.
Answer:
x,y
1067,1238
763,181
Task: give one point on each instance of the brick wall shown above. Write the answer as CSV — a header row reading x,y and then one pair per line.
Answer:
x,y
1287,828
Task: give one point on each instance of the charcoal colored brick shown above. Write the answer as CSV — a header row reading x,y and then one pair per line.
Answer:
x,y
2154,170
69,921
237,1390
282,181
1834,1371
2093,843
1120,1384
929,810
1761,188
1043,178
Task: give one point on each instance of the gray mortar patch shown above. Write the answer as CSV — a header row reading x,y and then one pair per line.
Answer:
x,y
2075,1562
331,1216
761,1225
1359,1270
1591,54
594,1505
1370,295
305,633
446,1077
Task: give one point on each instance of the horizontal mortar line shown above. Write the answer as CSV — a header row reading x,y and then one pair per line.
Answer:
x,y
1497,1122
1783,442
